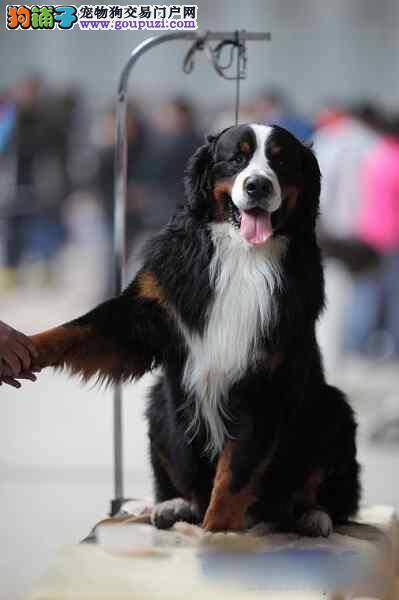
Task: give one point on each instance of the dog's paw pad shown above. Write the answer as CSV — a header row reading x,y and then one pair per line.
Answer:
x,y
315,523
165,514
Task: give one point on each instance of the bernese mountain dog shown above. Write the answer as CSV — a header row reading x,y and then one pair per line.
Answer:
x,y
243,427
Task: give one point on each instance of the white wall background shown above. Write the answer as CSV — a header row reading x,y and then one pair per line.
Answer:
x,y
319,49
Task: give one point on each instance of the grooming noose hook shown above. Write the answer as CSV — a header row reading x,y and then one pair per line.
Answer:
x,y
233,40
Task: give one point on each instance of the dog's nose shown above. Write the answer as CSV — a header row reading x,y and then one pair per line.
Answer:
x,y
257,186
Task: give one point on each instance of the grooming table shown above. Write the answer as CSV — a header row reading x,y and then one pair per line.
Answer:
x,y
129,559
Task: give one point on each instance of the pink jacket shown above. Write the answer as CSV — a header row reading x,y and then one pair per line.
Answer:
x,y
379,213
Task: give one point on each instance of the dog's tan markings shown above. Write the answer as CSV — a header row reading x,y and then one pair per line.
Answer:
x,y
222,189
308,494
85,353
53,343
226,510
245,148
311,488
276,360
149,287
275,150
291,194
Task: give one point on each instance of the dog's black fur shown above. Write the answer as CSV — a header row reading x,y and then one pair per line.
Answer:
x,y
282,409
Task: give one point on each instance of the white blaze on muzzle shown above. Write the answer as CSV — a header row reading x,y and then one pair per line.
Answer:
x,y
256,227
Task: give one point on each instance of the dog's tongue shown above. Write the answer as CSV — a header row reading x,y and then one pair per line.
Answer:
x,y
256,226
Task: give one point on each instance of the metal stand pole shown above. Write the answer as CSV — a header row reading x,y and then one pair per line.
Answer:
x,y
120,188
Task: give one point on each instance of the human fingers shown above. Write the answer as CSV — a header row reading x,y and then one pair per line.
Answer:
x,y
11,381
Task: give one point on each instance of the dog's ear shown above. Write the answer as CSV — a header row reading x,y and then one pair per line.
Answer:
x,y
197,180
311,187
198,173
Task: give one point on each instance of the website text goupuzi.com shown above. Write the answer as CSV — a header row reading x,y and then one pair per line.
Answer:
x,y
138,24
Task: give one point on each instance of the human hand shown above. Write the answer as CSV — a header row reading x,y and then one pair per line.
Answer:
x,y
17,353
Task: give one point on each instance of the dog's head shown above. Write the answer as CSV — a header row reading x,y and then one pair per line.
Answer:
x,y
260,179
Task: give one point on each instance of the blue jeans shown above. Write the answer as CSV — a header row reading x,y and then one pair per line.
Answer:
x,y
390,287
375,306
364,311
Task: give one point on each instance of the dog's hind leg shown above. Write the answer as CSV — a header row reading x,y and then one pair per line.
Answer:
x,y
170,507
314,521
340,490
331,492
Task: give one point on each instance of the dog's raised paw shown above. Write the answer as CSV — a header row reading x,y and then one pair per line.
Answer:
x,y
315,522
165,514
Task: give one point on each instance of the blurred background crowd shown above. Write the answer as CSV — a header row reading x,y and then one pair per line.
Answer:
x,y
56,168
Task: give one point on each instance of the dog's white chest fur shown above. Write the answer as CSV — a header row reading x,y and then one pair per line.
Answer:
x,y
244,279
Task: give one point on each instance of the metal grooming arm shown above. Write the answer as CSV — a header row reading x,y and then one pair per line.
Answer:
x,y
120,189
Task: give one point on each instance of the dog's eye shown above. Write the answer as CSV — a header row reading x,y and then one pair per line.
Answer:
x,y
282,165
239,158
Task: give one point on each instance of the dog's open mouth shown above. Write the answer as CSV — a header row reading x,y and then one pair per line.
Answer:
x,y
255,225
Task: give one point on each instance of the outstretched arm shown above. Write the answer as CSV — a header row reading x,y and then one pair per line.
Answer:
x,y
119,340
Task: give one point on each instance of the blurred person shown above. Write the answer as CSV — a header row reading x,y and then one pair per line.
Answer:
x,y
7,175
272,106
98,183
42,126
342,142
178,137
7,120
379,223
51,183
330,114
158,182
136,132
17,355
27,143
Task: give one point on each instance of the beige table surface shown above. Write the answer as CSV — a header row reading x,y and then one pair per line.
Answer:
x,y
135,561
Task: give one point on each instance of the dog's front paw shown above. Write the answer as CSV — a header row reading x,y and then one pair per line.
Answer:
x,y
224,517
315,522
221,523
165,514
